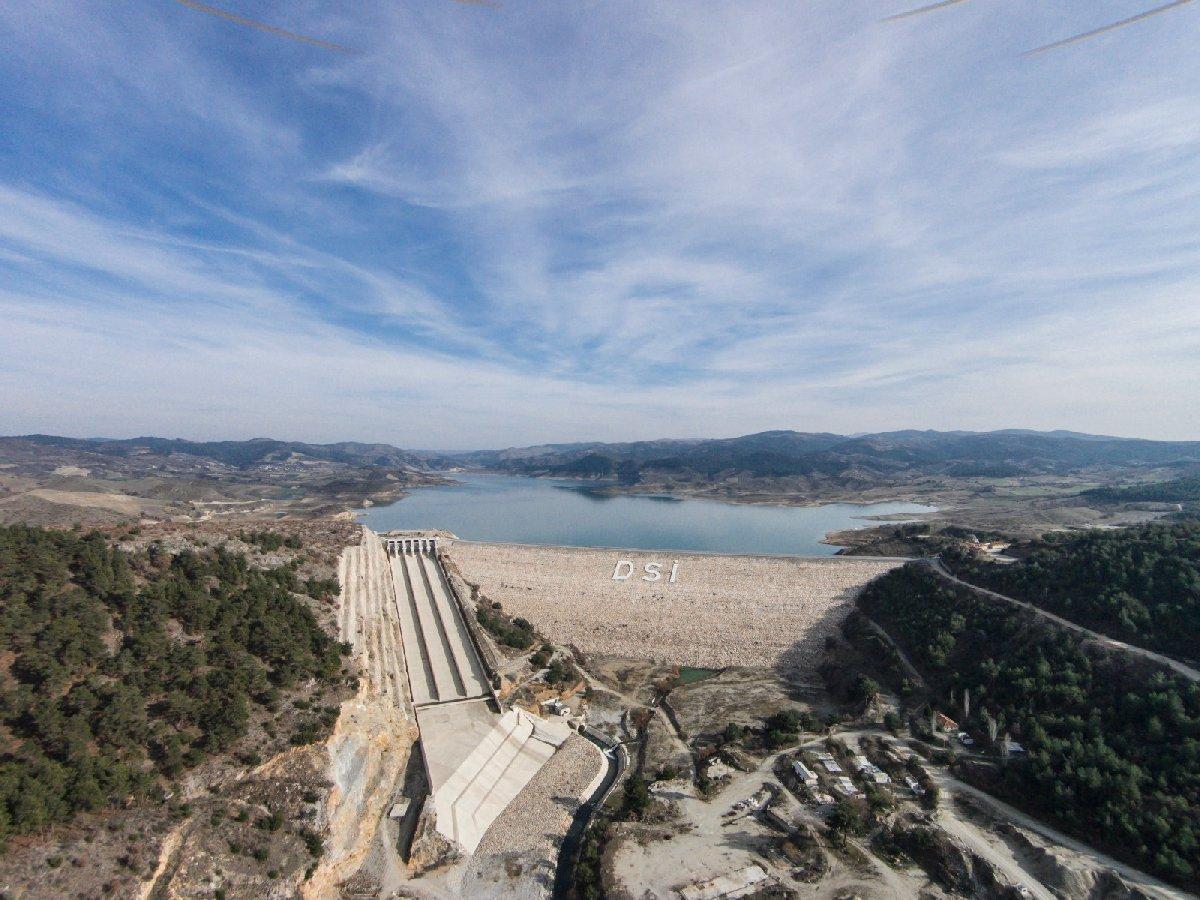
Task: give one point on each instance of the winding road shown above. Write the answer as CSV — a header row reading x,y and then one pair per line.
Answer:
x,y
1104,640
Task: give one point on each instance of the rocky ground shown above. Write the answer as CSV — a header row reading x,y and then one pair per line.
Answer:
x,y
721,611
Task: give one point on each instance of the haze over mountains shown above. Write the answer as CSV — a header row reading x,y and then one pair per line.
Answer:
x,y
768,454
789,453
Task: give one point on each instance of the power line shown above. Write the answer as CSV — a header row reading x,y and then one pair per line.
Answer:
x,y
923,9
1112,26
263,26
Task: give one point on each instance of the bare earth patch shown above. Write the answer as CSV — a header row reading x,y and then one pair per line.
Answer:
x,y
722,610
120,503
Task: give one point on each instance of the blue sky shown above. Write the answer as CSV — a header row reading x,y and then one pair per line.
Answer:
x,y
597,220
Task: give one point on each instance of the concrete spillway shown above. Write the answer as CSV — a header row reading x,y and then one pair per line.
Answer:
x,y
501,763
442,662
406,617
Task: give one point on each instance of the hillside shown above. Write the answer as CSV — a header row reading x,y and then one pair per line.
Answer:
x,y
888,455
1140,585
238,454
169,681
1177,490
1109,741
1019,482
57,480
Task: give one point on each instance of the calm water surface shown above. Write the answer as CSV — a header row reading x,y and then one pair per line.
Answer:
x,y
550,511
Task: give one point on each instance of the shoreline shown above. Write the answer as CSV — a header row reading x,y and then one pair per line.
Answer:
x,y
702,553
359,513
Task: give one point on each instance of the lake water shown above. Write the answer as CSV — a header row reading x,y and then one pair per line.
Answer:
x,y
551,511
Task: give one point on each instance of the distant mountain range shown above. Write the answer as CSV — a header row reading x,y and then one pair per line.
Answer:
x,y
767,455
870,457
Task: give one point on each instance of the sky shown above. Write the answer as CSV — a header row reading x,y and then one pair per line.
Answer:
x,y
559,220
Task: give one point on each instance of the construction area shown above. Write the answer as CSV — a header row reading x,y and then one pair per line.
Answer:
x,y
768,612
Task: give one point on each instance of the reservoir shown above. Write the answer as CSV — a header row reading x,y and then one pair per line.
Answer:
x,y
559,512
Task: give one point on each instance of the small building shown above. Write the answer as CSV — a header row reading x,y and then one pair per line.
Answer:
x,y
945,723
760,800
1012,747
804,773
846,787
829,763
914,785
555,706
870,771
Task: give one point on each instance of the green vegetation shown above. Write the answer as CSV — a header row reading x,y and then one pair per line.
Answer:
x,y
1113,742
864,690
637,795
1179,490
541,656
1141,585
847,818
783,728
634,801
125,669
515,633
562,672
269,541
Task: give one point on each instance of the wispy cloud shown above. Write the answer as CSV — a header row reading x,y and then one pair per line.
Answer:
x,y
499,226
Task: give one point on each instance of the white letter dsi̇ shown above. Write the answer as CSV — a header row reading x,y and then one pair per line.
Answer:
x,y
619,575
652,572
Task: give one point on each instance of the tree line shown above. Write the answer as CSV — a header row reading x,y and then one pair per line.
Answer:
x,y
1177,490
1141,585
